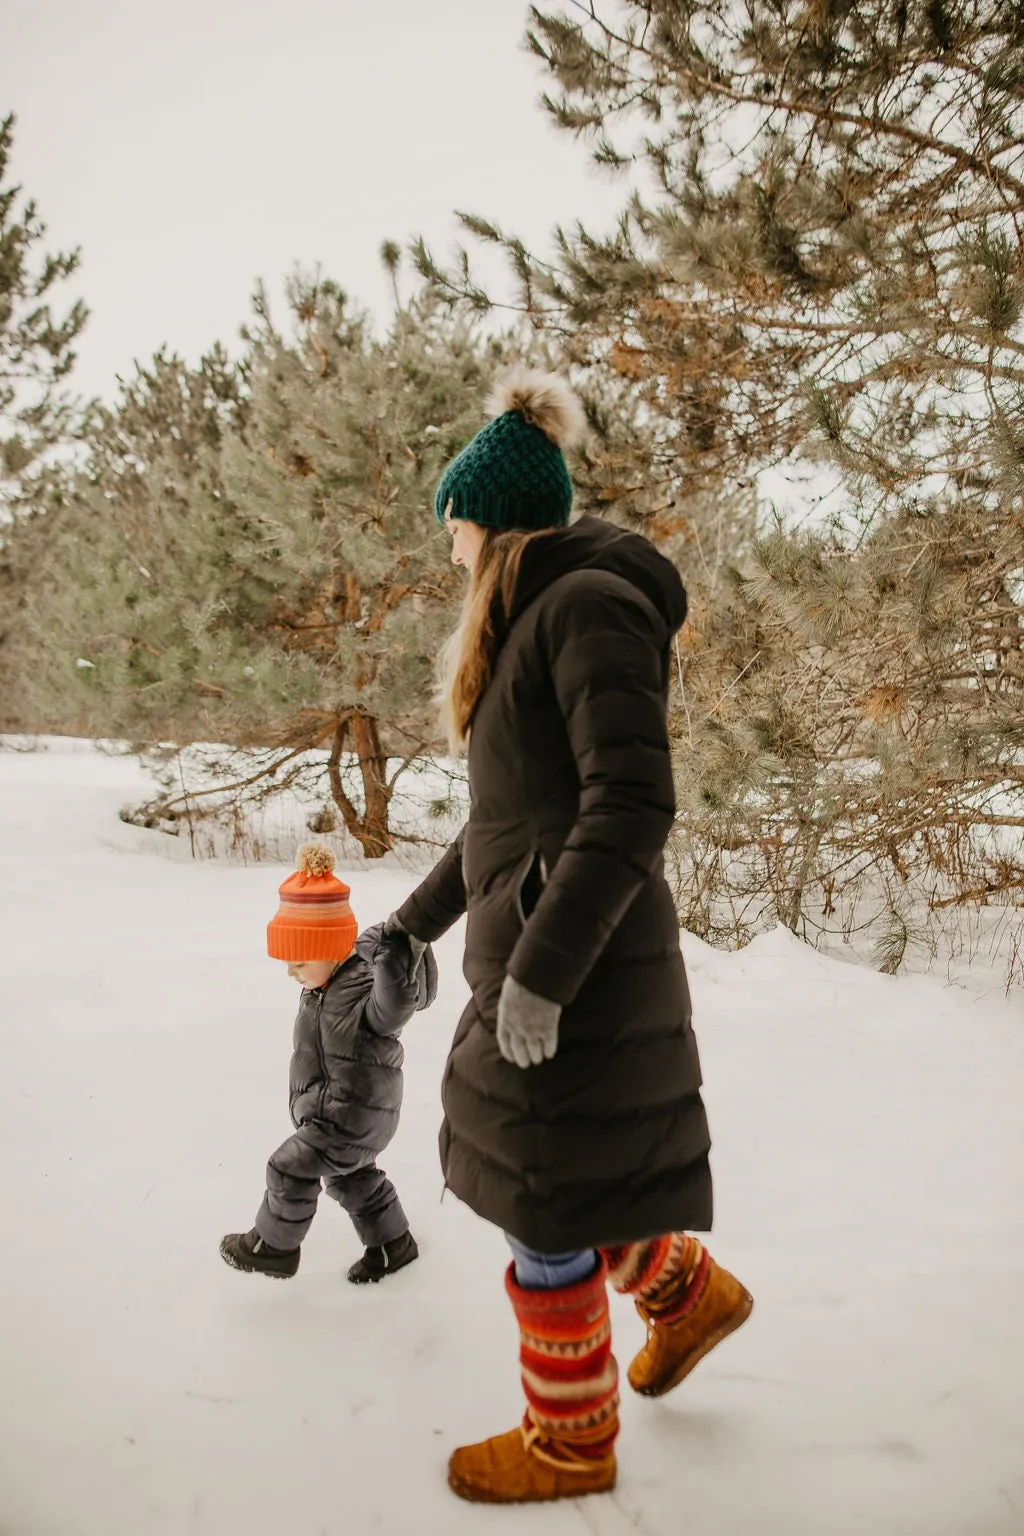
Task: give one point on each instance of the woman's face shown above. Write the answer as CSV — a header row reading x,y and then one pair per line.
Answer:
x,y
467,540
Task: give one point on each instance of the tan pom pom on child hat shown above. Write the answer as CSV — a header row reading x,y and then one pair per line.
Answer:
x,y
314,920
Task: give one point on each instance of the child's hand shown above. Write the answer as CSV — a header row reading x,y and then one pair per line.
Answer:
x,y
416,946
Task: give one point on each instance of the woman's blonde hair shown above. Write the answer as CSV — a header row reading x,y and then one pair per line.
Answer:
x,y
467,660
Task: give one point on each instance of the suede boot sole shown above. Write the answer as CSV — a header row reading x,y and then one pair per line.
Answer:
x,y
577,1489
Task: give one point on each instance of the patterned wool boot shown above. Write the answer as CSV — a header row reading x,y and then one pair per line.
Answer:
x,y
687,1301
565,1444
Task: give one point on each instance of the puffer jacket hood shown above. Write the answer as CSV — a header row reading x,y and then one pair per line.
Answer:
x,y
594,545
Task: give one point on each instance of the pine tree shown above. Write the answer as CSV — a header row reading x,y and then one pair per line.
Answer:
x,y
831,251
346,439
37,414
250,556
36,347
827,272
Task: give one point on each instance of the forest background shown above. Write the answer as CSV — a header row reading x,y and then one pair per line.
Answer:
x,y
818,266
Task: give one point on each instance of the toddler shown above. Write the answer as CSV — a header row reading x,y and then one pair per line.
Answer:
x,y
345,1082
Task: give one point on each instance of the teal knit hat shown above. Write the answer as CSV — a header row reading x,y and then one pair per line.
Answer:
x,y
513,473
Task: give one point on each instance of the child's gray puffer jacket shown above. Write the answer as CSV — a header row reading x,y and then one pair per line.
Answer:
x,y
345,1081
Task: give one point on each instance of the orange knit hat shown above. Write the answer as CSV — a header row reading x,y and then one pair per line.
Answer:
x,y
314,920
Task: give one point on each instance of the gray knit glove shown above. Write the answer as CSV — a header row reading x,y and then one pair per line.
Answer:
x,y
527,1025
417,947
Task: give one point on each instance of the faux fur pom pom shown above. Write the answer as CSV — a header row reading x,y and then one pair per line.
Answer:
x,y
545,399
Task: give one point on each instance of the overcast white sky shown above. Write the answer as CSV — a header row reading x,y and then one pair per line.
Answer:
x,y
191,148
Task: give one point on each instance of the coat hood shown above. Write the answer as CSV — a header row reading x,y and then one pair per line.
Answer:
x,y
592,544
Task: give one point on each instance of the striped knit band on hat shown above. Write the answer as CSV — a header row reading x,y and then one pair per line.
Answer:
x,y
314,920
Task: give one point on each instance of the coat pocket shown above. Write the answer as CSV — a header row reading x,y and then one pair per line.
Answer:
x,y
531,886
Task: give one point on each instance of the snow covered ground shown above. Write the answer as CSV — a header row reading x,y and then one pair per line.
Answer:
x,y
870,1178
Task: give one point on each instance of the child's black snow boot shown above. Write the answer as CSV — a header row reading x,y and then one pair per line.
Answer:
x,y
248,1251
378,1262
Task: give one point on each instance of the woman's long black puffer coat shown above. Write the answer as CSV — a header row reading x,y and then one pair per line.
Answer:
x,y
560,868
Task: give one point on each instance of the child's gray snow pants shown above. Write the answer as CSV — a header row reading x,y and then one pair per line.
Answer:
x,y
295,1173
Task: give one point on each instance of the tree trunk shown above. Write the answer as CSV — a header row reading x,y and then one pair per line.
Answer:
x,y
370,829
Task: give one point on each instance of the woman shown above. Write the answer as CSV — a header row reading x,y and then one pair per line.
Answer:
x,y
573,1115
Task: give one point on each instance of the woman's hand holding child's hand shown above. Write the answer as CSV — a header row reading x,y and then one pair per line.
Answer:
x,y
416,946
